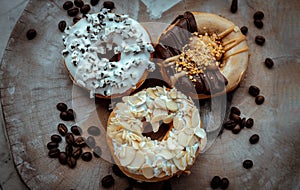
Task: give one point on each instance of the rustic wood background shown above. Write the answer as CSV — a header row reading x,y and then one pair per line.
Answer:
x,y
33,81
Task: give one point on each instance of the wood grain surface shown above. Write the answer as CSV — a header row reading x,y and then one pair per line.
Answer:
x,y
33,81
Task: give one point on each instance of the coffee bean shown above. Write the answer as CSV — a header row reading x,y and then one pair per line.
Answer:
x,y
71,162
68,5
85,9
235,110
31,34
69,150
215,182
76,130
248,164
78,3
70,138
56,138
166,186
77,151
229,125
236,129
254,139
52,145
71,114
80,142
109,5
259,99
258,23
260,40
94,2
62,26
258,15
76,19
97,152
243,123
269,63
91,142
224,183
244,30
62,158
117,171
107,181
249,123
254,90
62,129
53,153
87,156
93,130
236,118
64,116
234,6
73,12
61,106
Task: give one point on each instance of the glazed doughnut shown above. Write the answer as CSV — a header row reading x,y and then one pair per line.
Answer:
x,y
155,134
202,54
107,53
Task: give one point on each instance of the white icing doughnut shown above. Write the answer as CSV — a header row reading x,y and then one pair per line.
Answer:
x,y
88,42
154,160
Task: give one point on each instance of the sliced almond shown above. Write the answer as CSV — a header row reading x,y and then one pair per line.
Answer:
x,y
166,154
128,156
184,139
173,94
138,161
168,119
136,100
159,113
155,126
195,118
160,103
135,137
188,131
147,171
118,138
172,106
199,132
179,164
160,90
171,144
135,145
178,123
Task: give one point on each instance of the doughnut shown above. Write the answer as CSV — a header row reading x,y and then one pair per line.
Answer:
x,y
202,54
155,134
108,54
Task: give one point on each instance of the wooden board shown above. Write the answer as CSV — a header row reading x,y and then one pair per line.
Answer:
x,y
33,81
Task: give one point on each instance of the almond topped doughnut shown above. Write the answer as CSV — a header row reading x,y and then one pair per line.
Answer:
x,y
202,54
155,134
107,53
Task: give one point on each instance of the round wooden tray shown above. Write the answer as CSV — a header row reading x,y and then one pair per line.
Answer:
x,y
33,81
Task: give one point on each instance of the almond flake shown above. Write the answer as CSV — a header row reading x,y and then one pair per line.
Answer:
x,y
166,154
147,171
138,161
184,139
195,118
168,119
172,106
128,156
178,123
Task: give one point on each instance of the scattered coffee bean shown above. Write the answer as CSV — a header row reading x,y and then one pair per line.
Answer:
x,y
259,99
71,114
236,129
229,125
254,90
254,139
76,19
73,11
78,3
116,170
244,30
85,9
61,106
236,118
70,139
224,183
258,23
31,34
249,123
62,129
54,153
77,151
64,116
62,158
107,181
235,110
109,5
94,2
56,138
71,162
52,145
69,150
68,5
258,15
269,63
243,123
215,182
62,26
91,142
76,130
80,142
87,156
166,186
247,164
260,40
97,152
234,6
93,130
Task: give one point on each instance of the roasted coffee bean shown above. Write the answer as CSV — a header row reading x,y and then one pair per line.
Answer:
x,y
70,138
71,162
254,90
78,3
94,2
215,182
249,123
236,129
62,158
258,23
91,142
243,123
62,129
64,116
61,106
97,152
224,183
93,130
73,11
31,34
234,6
254,139
269,63
235,110
77,151
54,153
76,130
109,5
68,5
166,186
236,118
71,114
52,145
259,99
62,26
244,30
56,138
116,170
258,15
69,150
260,40
107,181
86,156
76,19
80,142
229,125
85,9
248,164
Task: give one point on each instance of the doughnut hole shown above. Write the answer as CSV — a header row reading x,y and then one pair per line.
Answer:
x,y
160,134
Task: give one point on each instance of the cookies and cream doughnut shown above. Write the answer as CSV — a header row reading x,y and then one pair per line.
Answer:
x,y
107,53
202,54
155,134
